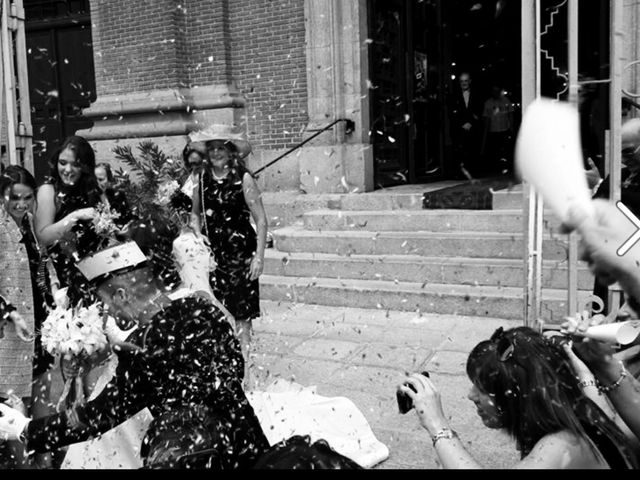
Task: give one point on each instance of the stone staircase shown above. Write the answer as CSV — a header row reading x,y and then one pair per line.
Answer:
x,y
382,250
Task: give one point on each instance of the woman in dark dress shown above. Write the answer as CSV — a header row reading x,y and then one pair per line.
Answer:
x,y
67,205
228,198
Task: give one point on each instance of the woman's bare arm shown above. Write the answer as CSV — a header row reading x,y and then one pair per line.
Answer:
x,y
47,231
254,200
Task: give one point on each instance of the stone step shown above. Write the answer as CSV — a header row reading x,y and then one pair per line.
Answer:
x,y
508,199
412,268
496,302
427,244
287,207
379,200
504,221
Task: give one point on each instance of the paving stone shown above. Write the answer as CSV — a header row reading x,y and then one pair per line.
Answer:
x,y
275,343
305,371
447,362
327,349
399,357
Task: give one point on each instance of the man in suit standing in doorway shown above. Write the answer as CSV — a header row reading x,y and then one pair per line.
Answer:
x,y
466,123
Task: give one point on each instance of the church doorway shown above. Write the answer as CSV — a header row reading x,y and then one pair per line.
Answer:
x,y
61,73
418,51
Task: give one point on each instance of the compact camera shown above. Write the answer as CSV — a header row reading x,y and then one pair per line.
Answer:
x,y
404,401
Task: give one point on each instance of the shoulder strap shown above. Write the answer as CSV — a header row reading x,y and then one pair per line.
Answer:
x,y
202,210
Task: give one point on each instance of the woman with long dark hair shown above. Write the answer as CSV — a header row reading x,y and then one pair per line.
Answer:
x,y
67,202
524,384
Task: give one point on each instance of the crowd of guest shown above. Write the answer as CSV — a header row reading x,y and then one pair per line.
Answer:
x,y
568,404
47,230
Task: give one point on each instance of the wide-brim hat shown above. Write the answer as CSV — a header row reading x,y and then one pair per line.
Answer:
x,y
226,133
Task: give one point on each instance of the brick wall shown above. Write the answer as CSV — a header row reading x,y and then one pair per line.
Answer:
x,y
269,67
257,45
204,24
136,45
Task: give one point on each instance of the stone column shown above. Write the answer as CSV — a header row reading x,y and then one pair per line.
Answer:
x,y
631,76
337,72
162,71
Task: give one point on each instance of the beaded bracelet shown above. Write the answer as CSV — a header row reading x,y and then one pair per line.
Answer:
x,y
588,383
616,384
444,433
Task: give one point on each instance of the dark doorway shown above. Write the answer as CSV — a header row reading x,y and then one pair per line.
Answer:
x,y
418,49
405,84
61,73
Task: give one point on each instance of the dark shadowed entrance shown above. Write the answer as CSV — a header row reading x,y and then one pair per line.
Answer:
x,y
417,51
61,73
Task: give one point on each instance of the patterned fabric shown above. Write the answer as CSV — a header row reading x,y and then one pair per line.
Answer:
x,y
233,242
42,298
15,286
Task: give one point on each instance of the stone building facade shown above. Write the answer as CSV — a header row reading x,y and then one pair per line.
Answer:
x,y
280,70
175,66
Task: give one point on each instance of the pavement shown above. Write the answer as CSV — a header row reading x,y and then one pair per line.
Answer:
x,y
363,354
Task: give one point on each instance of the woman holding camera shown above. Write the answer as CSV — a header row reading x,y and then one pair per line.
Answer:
x,y
524,384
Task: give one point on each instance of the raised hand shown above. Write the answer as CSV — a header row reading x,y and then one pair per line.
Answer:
x,y
12,423
426,402
593,174
22,329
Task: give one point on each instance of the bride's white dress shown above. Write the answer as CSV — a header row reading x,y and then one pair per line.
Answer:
x,y
284,409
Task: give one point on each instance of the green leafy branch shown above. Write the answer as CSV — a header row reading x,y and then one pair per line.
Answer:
x,y
145,173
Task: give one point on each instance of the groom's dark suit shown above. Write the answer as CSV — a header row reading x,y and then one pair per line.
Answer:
x,y
189,357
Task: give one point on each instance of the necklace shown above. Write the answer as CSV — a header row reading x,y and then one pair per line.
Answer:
x,y
216,177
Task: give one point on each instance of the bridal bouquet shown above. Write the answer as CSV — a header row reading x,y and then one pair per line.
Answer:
x,y
74,334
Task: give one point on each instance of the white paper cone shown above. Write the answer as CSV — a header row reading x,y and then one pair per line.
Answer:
x,y
623,333
549,156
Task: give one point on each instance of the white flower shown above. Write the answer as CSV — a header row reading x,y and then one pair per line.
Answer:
x,y
61,299
73,333
103,222
165,192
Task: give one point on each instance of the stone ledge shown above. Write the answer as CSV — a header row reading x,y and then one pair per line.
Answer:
x,y
167,100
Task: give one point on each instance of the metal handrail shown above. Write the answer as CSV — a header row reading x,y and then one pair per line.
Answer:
x,y
349,128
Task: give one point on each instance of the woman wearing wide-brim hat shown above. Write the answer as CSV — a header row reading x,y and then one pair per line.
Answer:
x,y
225,201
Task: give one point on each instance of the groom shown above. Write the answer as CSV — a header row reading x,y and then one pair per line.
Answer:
x,y
182,355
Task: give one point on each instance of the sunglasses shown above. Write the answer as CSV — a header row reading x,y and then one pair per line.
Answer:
x,y
504,346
